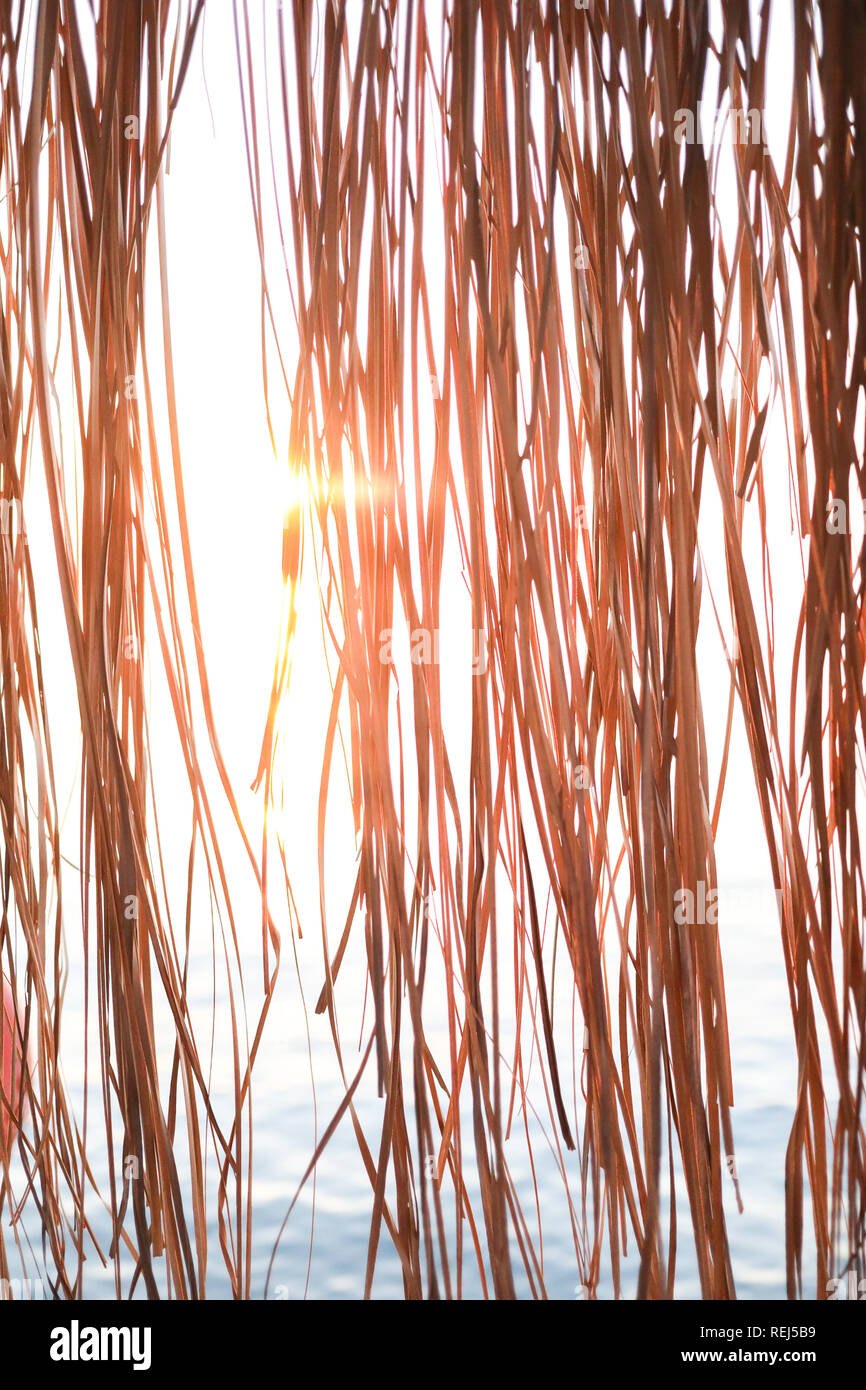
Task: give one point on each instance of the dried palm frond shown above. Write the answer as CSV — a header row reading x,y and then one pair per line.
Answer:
x,y
87,103
543,348
534,334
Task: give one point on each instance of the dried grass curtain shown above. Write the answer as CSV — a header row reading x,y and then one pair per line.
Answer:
x,y
573,363
573,352
87,101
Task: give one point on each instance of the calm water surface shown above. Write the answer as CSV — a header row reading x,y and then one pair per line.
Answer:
x,y
336,1209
